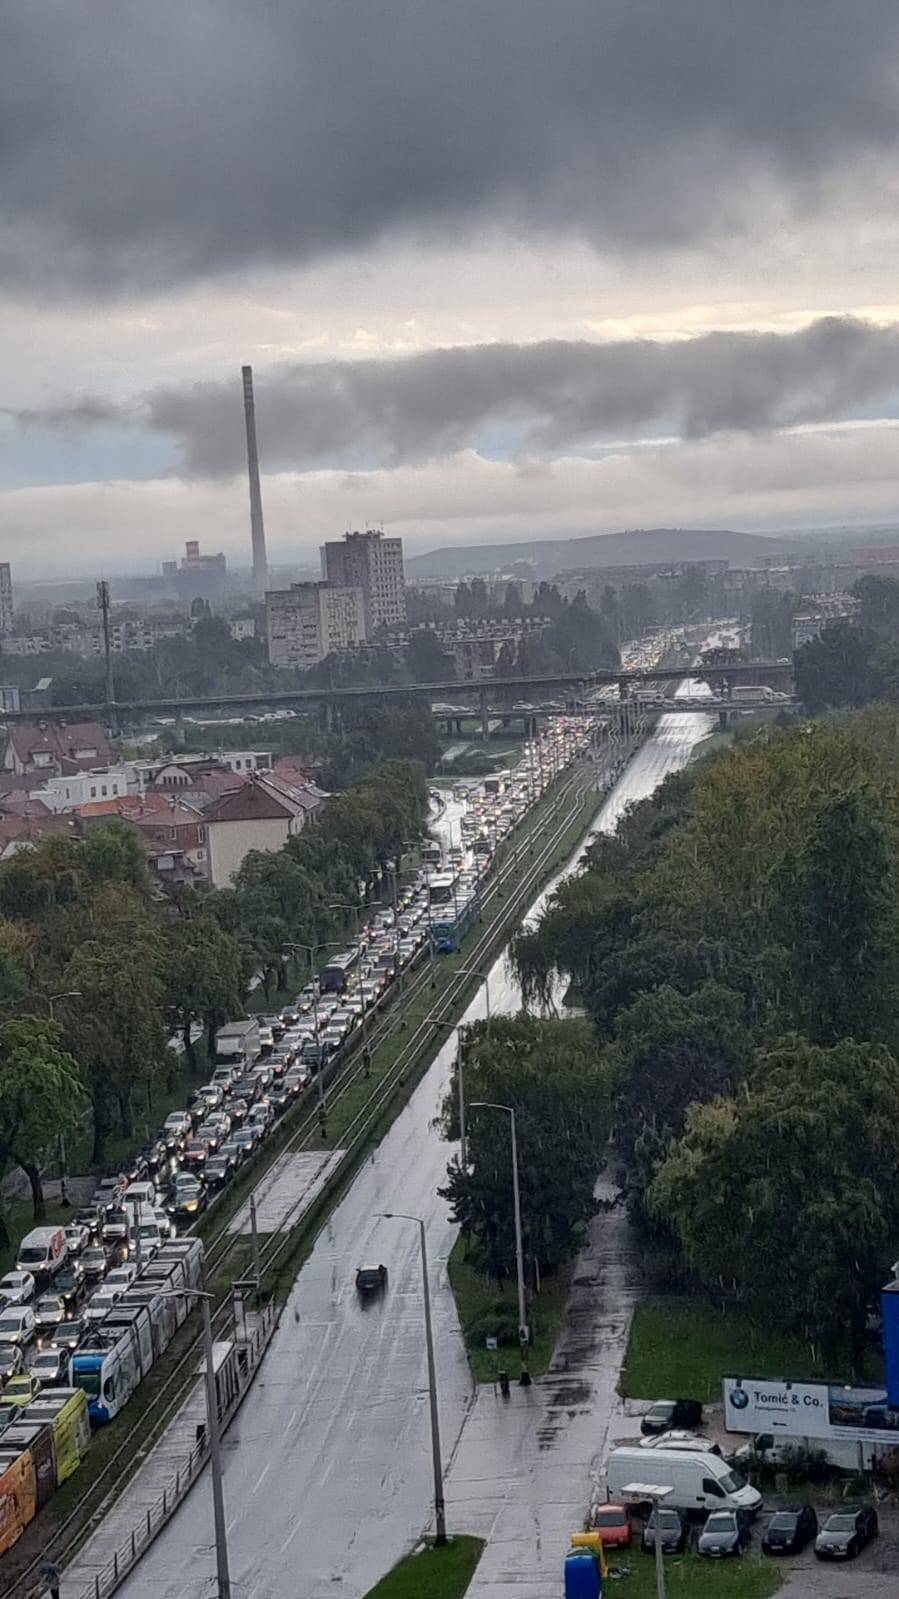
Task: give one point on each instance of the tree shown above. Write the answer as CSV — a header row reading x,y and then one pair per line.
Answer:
x,y
41,1099
553,1075
878,598
835,669
788,1192
426,661
204,977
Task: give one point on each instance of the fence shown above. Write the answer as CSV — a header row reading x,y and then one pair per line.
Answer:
x,y
247,1352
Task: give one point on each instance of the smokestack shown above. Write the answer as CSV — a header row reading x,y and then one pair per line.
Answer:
x,y
257,526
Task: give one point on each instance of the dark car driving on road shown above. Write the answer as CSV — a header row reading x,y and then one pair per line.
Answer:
x,y
371,1279
790,1530
668,1413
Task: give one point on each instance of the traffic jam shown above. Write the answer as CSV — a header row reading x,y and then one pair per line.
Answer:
x,y
92,1305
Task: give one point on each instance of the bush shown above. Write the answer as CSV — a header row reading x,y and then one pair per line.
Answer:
x,y
795,1463
500,1323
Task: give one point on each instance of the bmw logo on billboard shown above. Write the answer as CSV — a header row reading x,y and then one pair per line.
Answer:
x,y
739,1398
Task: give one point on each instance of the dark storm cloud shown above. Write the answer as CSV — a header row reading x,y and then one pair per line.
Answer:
x,y
146,143
539,398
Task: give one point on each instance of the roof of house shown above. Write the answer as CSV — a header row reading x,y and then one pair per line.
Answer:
x,y
60,741
259,799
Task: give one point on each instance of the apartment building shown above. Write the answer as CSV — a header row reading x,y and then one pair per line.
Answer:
x,y
370,562
309,621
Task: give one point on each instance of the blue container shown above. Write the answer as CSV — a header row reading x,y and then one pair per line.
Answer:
x,y
582,1578
889,1301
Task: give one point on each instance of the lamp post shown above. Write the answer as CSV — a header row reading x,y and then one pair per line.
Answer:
x,y
439,1505
523,1332
212,1427
455,1028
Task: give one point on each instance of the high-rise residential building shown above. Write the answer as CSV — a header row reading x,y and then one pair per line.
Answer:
x,y
6,613
311,620
373,564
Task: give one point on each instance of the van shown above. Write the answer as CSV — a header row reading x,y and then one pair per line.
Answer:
x,y
43,1252
141,1194
698,1482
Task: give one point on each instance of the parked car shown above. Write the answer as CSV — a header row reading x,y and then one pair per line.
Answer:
x,y
790,1530
17,1325
371,1279
17,1287
844,1534
726,1532
670,1526
666,1414
613,1523
50,1366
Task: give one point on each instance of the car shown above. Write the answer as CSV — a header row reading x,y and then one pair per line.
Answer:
x,y
50,1366
666,1414
69,1334
70,1285
246,1088
280,1098
690,1443
726,1532
233,1152
157,1155
211,1134
21,1389
217,1170
49,1311
261,1115
613,1523
190,1200
88,1216
101,1303
210,1098
237,1112
194,1154
845,1533
78,1236
371,1279
94,1264
263,1075
17,1287
12,1361
17,1324
670,1526
115,1227
790,1530
109,1193
163,1221
176,1127
123,1276
247,1138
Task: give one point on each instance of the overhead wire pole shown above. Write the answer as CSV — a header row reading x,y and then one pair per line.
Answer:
x,y
523,1329
439,1502
108,686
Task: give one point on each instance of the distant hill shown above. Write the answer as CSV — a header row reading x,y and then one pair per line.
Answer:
x,y
641,548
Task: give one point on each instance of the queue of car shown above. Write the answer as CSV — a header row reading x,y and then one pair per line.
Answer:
x,y
707,1502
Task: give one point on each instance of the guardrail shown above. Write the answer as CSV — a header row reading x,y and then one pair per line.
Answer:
x,y
125,1558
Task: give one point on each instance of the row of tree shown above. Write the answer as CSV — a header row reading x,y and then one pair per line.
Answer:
x,y
735,946
96,970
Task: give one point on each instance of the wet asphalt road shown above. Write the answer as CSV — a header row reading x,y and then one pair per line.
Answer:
x,y
327,1467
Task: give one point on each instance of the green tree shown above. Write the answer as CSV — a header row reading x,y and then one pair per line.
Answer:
x,y
878,598
552,1074
835,669
204,977
41,1100
426,660
788,1192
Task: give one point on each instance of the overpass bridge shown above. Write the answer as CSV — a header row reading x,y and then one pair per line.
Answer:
x,y
509,696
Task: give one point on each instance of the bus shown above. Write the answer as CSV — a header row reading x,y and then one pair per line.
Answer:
x,y
448,931
443,888
431,853
333,979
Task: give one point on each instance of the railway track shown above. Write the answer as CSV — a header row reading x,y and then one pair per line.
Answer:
x,y
93,1503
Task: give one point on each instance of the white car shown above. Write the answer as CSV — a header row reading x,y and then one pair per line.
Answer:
x,y
123,1276
101,1303
17,1324
17,1287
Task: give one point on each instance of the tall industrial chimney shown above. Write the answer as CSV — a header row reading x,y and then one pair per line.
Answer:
x,y
257,526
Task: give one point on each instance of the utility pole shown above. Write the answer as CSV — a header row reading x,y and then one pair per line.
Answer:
x,y
109,690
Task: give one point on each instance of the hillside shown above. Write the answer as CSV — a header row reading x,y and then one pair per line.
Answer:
x,y
638,548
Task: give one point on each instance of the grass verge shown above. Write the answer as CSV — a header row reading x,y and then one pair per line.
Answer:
x,y
478,1297
683,1347
430,1573
689,1577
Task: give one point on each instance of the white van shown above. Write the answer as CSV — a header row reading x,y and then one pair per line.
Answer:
x,y
698,1482
141,1194
43,1252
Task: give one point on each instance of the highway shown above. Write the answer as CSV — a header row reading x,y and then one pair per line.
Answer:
x,y
327,1478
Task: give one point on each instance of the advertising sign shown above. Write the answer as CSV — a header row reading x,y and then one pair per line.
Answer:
x,y
809,1410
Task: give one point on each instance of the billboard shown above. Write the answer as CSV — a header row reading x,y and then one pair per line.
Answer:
x,y
809,1410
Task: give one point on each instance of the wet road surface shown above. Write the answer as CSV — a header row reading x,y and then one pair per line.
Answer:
x,y
327,1468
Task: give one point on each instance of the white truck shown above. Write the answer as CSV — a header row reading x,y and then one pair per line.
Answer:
x,y
238,1044
697,1482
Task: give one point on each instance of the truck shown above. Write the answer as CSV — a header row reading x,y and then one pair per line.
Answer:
x,y
238,1043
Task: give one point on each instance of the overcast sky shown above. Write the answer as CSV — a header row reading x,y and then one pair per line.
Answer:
x,y
502,267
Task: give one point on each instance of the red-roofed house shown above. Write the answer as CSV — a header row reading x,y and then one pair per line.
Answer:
x,y
262,814
51,749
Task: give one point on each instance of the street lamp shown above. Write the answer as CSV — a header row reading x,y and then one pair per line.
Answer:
x,y
212,1427
439,1505
523,1333
456,1028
